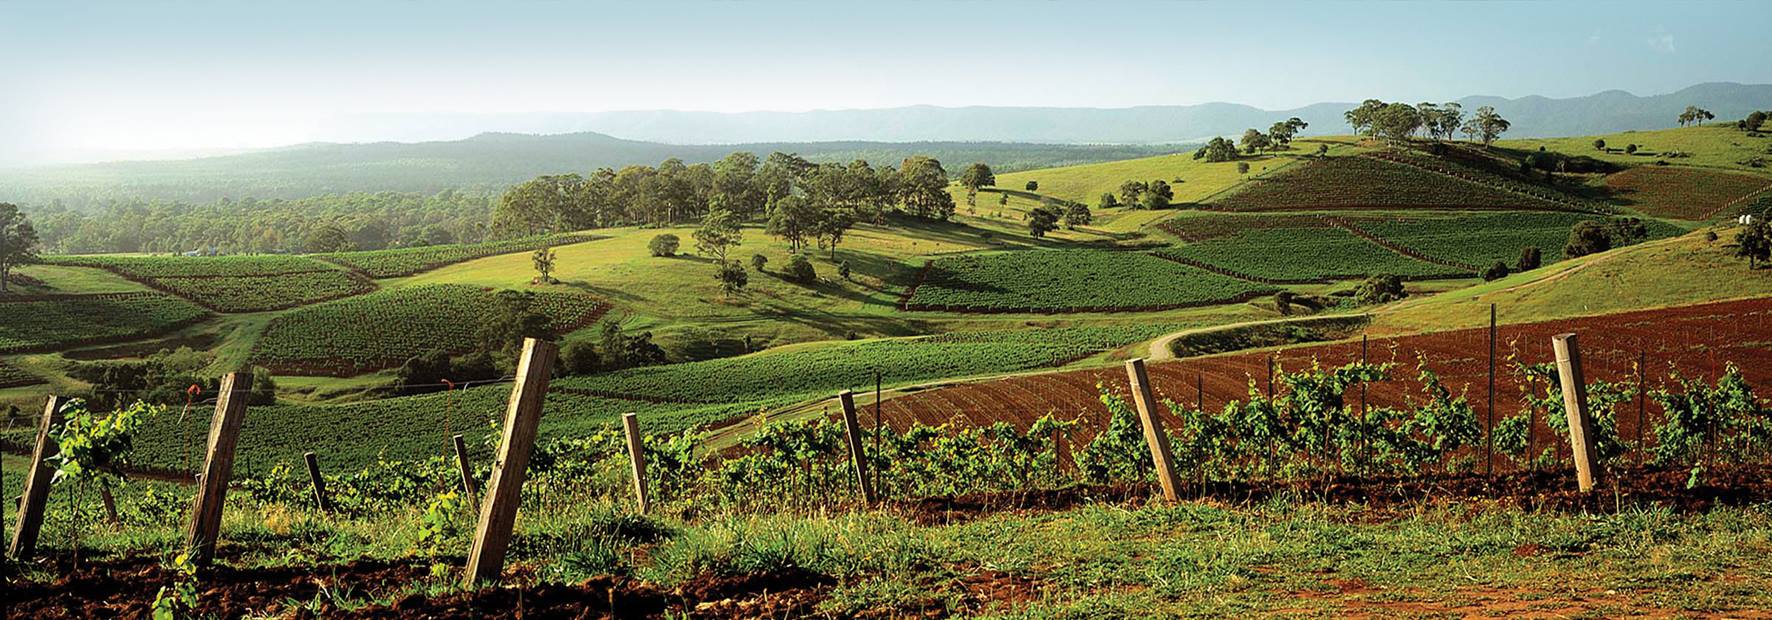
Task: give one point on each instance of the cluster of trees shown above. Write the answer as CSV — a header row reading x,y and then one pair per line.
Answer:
x,y
18,241
1753,121
1046,217
1754,243
1595,236
1140,195
785,190
168,377
1278,137
336,222
1695,115
1398,121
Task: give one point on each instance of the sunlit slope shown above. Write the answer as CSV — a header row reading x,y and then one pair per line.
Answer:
x,y
1681,270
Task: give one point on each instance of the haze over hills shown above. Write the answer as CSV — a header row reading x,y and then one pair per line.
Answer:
x,y
1009,138
1532,116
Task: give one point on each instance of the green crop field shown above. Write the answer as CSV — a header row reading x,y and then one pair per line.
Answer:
x,y
1305,254
234,283
383,329
1482,239
11,376
1070,281
1683,193
72,321
398,262
1367,183
1203,225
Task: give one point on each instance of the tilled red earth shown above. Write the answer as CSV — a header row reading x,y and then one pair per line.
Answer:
x,y
1697,340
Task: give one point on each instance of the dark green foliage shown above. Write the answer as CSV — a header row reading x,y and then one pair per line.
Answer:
x,y
1216,150
1587,237
1754,242
664,245
800,270
435,371
579,358
1530,258
732,277
758,262
1495,271
1043,220
1380,289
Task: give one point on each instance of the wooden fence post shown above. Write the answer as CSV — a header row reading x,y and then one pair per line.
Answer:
x,y
36,496
637,459
852,428
110,504
318,482
218,467
1581,434
467,473
498,512
1489,423
1161,455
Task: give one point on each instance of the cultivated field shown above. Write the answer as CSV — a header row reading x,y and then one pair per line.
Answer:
x,y
1070,281
1354,182
1684,193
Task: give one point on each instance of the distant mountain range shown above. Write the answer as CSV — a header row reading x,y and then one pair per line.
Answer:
x,y
1533,116
1009,138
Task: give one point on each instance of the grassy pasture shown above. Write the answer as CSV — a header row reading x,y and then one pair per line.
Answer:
x,y
1682,193
1070,281
399,262
1711,146
1676,271
1305,254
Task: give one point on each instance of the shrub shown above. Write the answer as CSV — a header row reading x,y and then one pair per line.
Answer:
x,y
732,277
579,358
1495,271
664,245
1033,186
843,270
1380,289
1530,258
800,270
1587,237
758,261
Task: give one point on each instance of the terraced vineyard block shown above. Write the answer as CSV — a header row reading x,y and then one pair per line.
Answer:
x,y
1306,254
1071,281
382,330
1367,183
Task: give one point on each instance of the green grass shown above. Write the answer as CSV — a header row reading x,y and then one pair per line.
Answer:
x,y
67,322
382,329
1352,182
1070,281
400,262
69,280
1198,179
1670,272
1711,146
820,370
1305,254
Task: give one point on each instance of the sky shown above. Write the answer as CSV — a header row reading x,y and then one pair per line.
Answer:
x,y
95,80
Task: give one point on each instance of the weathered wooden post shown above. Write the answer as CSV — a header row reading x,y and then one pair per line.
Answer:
x,y
319,483
637,459
1489,421
218,467
852,428
498,512
1161,455
110,504
468,491
1581,433
36,496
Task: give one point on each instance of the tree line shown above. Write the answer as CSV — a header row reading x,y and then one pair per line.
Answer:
x,y
1395,121
797,199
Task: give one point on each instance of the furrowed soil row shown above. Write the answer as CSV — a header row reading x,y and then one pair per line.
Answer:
x,y
1698,340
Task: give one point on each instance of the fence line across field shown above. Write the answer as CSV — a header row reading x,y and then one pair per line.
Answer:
x,y
498,505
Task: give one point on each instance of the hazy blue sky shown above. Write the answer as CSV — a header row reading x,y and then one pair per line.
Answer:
x,y
82,77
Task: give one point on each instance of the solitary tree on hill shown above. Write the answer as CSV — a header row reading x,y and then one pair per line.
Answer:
x,y
1599,144
18,241
1486,126
544,260
719,232
1755,243
1042,220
